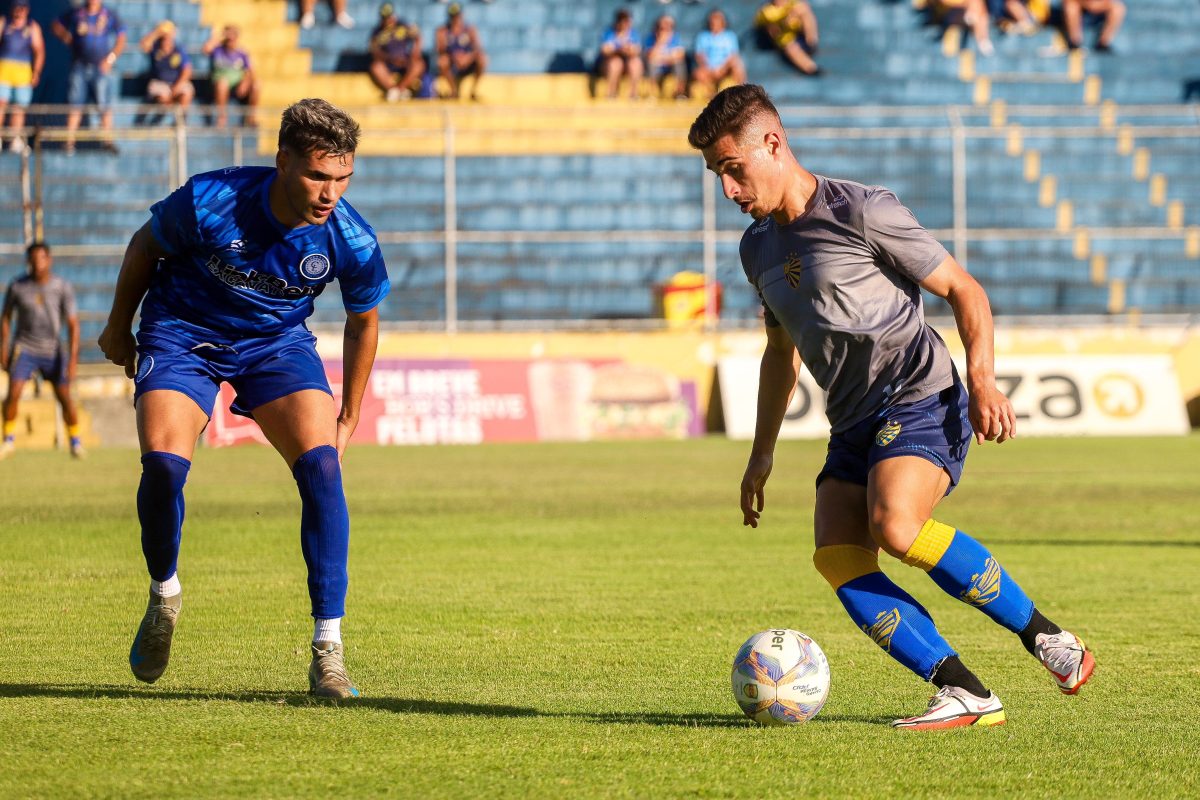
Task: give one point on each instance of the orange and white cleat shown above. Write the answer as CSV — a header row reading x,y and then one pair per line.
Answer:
x,y
1067,658
953,707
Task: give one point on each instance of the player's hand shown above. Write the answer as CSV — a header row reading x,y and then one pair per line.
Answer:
x,y
120,348
345,429
991,415
757,472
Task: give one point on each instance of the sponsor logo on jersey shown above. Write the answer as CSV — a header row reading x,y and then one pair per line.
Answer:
x,y
792,268
761,226
885,625
314,266
985,586
838,201
887,434
258,282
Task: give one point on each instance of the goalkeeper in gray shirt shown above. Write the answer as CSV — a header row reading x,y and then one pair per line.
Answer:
x,y
43,305
839,268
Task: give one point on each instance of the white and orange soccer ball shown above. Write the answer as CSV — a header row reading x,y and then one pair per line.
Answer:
x,y
780,677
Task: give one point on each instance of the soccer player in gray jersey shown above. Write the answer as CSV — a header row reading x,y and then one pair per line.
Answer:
x,y
42,304
839,267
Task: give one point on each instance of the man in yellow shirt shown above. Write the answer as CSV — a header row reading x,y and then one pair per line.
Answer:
x,y
792,26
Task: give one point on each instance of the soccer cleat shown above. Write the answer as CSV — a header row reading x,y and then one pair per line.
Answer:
x,y
1066,657
151,648
327,674
953,707
77,451
7,448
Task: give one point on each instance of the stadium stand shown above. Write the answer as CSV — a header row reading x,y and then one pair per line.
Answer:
x,y
1068,183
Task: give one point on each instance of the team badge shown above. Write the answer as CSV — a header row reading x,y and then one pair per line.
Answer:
x,y
792,269
145,364
985,586
887,434
885,625
314,266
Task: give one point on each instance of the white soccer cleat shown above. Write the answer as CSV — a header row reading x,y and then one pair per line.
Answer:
x,y
953,707
7,448
1066,657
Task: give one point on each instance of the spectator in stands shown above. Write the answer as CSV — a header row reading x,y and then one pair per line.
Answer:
x,y
42,305
956,16
232,75
170,69
792,26
459,51
96,37
22,55
1014,15
717,54
397,65
1112,12
621,54
665,56
308,18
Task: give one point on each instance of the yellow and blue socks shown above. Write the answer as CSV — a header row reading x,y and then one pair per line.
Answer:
x,y
10,430
324,530
965,569
73,433
889,615
160,510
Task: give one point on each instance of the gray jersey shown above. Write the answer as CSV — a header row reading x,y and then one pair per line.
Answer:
x,y
842,279
40,310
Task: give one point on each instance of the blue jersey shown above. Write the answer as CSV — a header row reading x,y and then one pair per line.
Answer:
x,y
167,65
92,35
235,271
16,44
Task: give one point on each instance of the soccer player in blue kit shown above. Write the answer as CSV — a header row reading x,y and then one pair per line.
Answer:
x,y
839,268
226,271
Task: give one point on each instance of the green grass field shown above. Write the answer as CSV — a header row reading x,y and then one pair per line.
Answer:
x,y
559,620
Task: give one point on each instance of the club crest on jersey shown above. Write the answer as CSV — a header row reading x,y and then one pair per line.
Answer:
x,y
314,266
792,269
887,434
985,586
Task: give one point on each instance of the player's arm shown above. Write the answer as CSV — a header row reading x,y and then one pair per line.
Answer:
x,y
72,345
359,342
5,324
990,411
776,381
116,340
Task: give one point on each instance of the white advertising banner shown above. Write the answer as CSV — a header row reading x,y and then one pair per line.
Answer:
x,y
1128,395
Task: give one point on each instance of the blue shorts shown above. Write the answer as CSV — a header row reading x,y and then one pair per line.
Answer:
x,y
87,84
259,370
17,95
936,429
23,364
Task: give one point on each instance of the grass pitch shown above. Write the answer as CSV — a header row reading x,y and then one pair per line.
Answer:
x,y
551,620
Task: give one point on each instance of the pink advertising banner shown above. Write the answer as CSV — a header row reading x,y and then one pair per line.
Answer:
x,y
470,401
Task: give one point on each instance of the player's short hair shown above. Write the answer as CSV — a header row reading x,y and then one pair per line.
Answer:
x,y
36,245
730,112
315,126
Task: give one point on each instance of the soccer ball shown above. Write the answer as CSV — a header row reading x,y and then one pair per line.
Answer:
x,y
780,677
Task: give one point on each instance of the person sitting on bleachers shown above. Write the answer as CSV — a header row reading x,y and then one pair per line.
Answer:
x,y
665,56
397,65
22,55
792,26
459,51
308,18
717,54
621,54
1111,11
231,74
170,69
1015,16
956,16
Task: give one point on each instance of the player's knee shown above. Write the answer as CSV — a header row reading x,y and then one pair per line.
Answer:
x,y
894,531
841,563
318,469
164,474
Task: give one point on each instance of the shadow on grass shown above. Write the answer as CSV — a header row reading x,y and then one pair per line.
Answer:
x,y
400,705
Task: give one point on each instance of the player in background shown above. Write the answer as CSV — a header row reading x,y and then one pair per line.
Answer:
x,y
226,271
839,268
42,304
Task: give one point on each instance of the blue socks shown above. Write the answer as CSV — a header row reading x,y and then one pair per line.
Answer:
x,y
160,510
324,529
964,569
889,615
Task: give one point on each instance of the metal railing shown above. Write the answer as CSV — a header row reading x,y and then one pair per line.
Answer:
x,y
940,148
